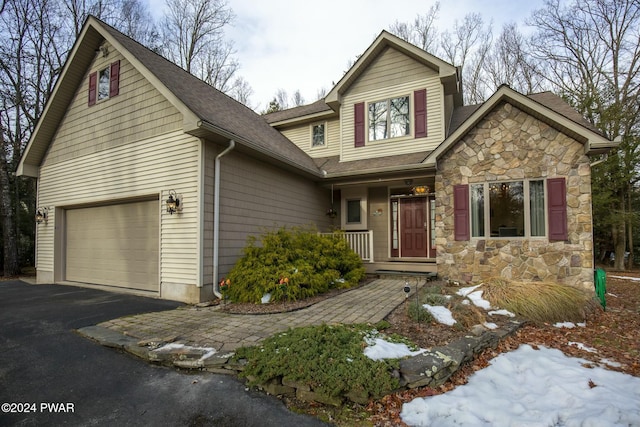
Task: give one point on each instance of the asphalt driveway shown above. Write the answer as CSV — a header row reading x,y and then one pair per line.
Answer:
x,y
49,375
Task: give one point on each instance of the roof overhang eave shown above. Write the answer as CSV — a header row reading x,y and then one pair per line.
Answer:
x,y
418,167
306,118
203,125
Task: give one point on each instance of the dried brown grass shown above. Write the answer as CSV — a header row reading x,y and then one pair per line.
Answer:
x,y
540,302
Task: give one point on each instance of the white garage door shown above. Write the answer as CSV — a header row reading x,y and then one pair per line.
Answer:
x,y
115,245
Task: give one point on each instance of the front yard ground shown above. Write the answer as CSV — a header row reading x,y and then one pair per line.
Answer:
x,y
610,335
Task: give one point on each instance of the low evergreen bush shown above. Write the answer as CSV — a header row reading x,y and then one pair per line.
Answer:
x,y
292,264
328,358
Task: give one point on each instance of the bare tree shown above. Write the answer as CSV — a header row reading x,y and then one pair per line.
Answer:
x,y
467,46
297,99
131,17
31,58
282,99
193,38
593,51
241,91
509,63
422,32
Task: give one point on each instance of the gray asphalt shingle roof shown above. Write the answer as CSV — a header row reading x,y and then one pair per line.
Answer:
x,y
214,107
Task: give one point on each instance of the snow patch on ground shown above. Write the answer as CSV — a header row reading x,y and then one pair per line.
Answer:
x,y
583,347
634,279
490,325
502,312
569,325
441,314
380,349
207,351
530,387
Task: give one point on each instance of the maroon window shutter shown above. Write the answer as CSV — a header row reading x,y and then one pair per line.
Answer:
x,y
114,79
359,124
93,88
461,212
420,112
557,208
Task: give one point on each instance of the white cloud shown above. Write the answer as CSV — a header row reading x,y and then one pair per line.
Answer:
x,y
291,45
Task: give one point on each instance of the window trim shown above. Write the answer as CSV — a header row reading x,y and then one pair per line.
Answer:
x,y
359,194
527,210
324,142
113,83
388,99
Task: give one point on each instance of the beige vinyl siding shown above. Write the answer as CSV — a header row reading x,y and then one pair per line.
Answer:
x,y
143,169
393,74
256,196
138,112
301,136
379,200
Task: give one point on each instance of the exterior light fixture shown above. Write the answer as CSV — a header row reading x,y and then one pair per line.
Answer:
x,y
420,190
42,215
173,202
406,289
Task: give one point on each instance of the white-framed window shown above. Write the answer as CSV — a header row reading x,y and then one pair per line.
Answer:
x,y
508,209
103,83
354,209
318,134
354,213
389,118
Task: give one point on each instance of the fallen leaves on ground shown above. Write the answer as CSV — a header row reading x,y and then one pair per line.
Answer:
x,y
609,338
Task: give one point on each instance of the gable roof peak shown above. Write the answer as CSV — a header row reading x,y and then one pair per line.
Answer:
x,y
449,74
207,112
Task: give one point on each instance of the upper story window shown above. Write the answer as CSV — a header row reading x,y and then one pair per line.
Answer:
x,y
389,118
318,135
105,83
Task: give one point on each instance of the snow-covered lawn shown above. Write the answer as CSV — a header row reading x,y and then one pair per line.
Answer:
x,y
528,387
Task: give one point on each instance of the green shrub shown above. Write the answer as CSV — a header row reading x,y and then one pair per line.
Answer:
x,y
329,359
293,264
418,313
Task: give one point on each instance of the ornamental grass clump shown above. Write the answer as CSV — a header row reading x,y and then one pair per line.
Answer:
x,y
293,264
541,302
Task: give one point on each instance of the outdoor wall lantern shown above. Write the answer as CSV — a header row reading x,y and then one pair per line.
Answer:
x,y
420,189
42,215
173,202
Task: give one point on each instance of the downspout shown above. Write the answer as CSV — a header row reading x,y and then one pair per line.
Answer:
x,y
216,216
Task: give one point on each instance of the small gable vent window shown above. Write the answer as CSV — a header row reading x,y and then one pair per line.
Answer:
x,y
318,135
105,83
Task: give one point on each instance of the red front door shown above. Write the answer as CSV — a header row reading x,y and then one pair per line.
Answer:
x,y
413,227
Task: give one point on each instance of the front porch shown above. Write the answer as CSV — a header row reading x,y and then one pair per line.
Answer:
x,y
361,242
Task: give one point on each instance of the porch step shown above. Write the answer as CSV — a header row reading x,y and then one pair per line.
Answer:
x,y
428,275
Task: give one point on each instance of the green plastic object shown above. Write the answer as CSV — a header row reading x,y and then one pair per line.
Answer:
x,y
600,282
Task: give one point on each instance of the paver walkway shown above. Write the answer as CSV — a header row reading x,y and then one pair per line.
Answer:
x,y
210,327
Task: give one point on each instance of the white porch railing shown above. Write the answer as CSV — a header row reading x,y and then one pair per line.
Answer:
x,y
361,242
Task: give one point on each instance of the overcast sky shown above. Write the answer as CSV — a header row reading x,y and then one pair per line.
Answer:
x,y
297,44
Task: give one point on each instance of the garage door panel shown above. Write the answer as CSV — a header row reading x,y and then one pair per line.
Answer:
x,y
114,245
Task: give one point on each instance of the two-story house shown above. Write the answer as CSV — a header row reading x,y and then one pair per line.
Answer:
x,y
149,180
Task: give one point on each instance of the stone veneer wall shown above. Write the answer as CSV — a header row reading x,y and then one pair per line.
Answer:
x,y
509,145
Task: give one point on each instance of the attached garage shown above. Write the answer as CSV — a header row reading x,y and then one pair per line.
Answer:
x,y
114,245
